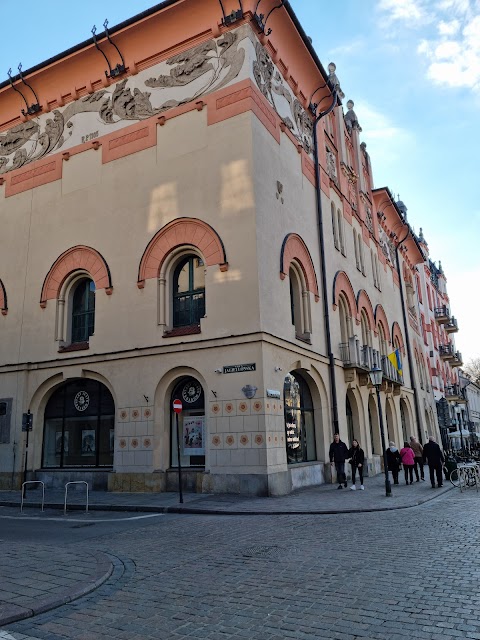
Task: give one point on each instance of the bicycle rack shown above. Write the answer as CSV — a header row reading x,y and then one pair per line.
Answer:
x,y
66,494
23,492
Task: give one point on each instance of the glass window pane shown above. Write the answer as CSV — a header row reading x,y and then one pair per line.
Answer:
x,y
182,281
309,428
52,442
82,442
198,274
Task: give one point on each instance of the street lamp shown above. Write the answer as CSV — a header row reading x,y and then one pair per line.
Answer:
x,y
376,375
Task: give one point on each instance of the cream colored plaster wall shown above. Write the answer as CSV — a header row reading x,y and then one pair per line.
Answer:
x,y
116,208
275,220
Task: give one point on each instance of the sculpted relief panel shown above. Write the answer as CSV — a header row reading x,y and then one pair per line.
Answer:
x,y
181,79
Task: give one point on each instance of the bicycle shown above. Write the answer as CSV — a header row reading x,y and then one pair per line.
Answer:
x,y
466,474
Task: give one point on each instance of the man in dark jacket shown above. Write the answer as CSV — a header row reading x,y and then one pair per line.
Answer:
x,y
434,456
338,454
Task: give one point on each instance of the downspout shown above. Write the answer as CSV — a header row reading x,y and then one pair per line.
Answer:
x,y
407,338
326,297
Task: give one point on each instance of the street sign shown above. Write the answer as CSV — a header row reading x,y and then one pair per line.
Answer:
x,y
177,406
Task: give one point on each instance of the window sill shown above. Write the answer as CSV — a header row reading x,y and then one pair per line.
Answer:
x,y
305,339
182,331
76,346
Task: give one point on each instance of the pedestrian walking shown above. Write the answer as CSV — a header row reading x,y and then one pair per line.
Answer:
x,y
393,461
418,452
338,454
357,460
433,455
408,460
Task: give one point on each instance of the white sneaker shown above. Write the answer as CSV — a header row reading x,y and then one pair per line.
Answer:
x,y
353,487
362,487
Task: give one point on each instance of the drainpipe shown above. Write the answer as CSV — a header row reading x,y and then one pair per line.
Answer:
x,y
326,314
407,338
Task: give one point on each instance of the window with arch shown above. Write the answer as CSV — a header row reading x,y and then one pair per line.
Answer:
x,y
403,421
349,413
361,252
299,303
82,310
356,248
345,320
299,420
79,424
365,328
377,272
382,340
191,424
188,291
341,232
374,270
334,226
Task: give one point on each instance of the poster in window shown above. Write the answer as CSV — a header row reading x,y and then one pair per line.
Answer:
x,y
193,436
58,442
112,439
88,442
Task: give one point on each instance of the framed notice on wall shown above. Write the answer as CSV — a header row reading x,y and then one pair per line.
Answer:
x,y
194,436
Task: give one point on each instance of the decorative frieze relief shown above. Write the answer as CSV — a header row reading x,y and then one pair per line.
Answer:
x,y
179,80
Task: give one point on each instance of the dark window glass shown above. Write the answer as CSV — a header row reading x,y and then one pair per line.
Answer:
x,y
188,292
348,408
299,420
79,426
191,424
83,311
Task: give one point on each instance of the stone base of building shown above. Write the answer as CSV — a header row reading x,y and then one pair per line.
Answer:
x,y
56,479
11,482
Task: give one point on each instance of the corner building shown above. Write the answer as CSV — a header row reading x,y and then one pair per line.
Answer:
x,y
164,238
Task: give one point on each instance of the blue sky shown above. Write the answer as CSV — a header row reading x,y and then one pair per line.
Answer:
x,y
412,68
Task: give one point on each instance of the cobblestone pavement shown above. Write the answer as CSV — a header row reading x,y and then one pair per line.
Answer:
x,y
383,575
36,578
320,499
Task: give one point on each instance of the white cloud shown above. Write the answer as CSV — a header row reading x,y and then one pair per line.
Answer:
x,y
453,53
410,11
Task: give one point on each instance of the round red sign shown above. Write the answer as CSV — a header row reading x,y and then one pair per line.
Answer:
x,y
177,406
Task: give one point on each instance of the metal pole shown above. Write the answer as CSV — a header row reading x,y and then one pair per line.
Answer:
x,y
179,463
388,486
24,492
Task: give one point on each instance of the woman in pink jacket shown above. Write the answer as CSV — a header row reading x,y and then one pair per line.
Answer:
x,y
408,460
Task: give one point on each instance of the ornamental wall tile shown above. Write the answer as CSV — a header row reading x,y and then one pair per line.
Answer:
x,y
180,80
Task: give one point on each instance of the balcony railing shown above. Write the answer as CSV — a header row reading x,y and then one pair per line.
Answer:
x,y
454,393
457,360
452,325
442,314
390,372
358,357
446,351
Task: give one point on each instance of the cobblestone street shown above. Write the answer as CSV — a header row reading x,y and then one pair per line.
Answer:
x,y
409,573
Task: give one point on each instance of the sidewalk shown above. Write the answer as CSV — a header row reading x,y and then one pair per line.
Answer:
x,y
324,499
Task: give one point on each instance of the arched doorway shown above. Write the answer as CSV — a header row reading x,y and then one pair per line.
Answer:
x,y
299,420
191,424
374,426
79,425
390,422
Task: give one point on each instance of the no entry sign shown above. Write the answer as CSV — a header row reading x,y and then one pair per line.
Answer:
x,y
177,406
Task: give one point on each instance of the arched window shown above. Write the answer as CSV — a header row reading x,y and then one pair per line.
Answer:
x,y
345,320
349,412
83,310
188,291
299,303
79,426
355,246
374,273
341,236
191,423
366,333
334,226
377,273
361,253
299,420
382,340
403,421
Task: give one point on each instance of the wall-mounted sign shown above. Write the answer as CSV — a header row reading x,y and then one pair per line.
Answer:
x,y
273,393
239,368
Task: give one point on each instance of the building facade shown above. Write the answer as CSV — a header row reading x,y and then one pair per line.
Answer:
x,y
171,235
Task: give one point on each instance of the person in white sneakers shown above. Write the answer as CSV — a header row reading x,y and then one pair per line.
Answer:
x,y
357,460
